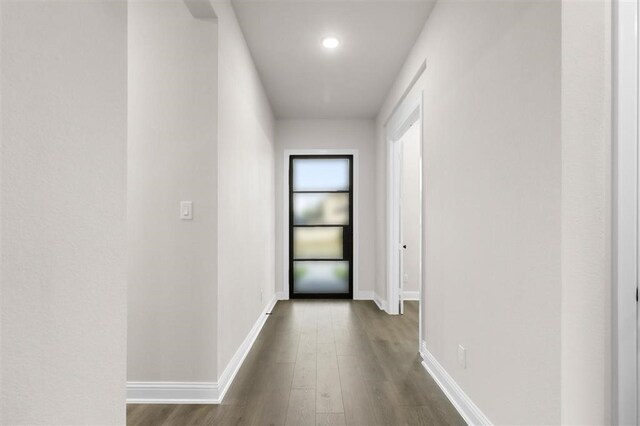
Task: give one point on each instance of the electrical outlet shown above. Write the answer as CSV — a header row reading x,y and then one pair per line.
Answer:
x,y
462,356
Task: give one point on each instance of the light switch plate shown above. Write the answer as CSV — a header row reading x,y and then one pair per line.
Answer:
x,y
462,356
405,278
186,210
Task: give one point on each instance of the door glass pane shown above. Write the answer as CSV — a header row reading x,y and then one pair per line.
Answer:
x,y
316,174
321,277
317,243
321,208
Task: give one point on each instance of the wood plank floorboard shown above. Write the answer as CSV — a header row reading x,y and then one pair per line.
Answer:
x,y
323,362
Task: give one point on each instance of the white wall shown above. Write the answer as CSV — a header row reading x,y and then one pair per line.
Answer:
x,y
332,134
245,190
492,180
201,130
586,212
64,118
411,227
172,157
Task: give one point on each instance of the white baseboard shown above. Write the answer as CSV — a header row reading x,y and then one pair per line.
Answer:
x,y
229,373
363,295
382,304
199,392
411,295
460,400
172,393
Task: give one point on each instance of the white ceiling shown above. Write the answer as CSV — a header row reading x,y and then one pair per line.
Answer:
x,y
305,80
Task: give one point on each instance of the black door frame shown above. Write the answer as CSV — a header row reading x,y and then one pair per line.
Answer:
x,y
347,254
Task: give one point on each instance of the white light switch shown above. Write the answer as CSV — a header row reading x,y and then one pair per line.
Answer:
x,y
462,356
405,278
186,210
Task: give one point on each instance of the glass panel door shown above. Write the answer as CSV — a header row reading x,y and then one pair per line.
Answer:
x,y
320,226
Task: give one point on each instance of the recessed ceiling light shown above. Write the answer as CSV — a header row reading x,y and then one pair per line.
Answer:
x,y
330,42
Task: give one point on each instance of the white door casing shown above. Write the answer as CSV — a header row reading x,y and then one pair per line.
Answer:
x,y
625,213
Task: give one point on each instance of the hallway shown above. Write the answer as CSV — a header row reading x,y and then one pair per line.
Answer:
x,y
324,363
172,172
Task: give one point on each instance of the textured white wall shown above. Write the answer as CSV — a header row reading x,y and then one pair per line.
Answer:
x,y
172,157
492,162
245,190
411,228
332,134
64,118
586,212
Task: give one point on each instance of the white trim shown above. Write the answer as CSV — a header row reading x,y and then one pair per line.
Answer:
x,y
172,393
229,373
282,296
382,304
625,213
469,411
285,214
393,232
198,392
410,295
363,295
407,90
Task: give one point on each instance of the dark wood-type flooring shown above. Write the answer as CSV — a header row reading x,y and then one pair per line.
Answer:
x,y
323,362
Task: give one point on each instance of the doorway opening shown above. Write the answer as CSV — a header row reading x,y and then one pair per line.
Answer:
x,y
405,238
321,226
410,232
